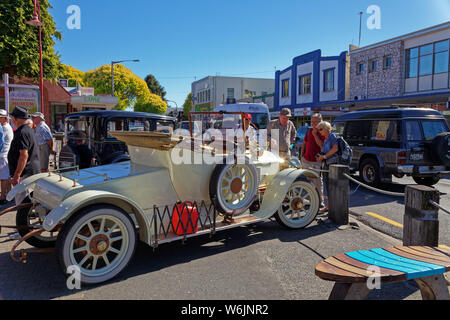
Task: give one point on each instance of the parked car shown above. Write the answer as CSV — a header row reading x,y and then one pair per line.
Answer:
x,y
88,142
94,217
259,112
397,141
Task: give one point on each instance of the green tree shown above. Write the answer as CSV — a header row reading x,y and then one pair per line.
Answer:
x,y
128,87
19,42
154,104
187,106
73,75
155,87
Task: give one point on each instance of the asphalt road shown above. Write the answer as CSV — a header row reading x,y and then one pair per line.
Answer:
x,y
385,213
259,262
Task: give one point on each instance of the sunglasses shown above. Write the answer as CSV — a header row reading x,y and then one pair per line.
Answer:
x,y
321,129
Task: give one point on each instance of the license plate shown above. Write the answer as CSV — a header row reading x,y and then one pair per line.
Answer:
x,y
416,156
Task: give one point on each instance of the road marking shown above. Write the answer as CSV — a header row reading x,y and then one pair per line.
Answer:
x,y
385,219
443,246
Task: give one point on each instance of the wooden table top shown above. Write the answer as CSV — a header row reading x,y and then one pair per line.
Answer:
x,y
392,264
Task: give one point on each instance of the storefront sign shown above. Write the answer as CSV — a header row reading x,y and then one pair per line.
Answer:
x,y
300,112
28,99
87,91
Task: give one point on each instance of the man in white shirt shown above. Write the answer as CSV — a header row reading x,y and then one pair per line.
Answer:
x,y
8,135
44,140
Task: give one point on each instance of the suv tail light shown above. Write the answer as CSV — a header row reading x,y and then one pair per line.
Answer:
x,y
401,157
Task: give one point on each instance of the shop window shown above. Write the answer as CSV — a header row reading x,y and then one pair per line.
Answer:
x,y
387,62
305,84
328,80
285,88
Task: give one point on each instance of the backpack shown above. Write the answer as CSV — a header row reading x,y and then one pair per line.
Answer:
x,y
345,153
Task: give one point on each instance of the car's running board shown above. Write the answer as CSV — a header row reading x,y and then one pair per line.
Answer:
x,y
236,222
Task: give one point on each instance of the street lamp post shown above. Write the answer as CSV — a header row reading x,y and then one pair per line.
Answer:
x,y
112,72
36,22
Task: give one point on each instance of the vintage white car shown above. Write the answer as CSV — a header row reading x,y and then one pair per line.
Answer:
x,y
94,217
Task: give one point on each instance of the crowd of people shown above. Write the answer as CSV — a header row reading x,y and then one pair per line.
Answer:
x,y
318,150
26,144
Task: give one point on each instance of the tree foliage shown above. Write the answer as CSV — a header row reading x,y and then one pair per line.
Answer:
x,y
154,86
19,42
128,87
187,106
72,74
154,104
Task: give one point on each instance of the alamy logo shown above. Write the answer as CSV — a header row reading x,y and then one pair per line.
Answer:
x,y
374,280
74,280
74,20
374,21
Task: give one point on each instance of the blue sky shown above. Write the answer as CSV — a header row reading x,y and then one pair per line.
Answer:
x,y
180,41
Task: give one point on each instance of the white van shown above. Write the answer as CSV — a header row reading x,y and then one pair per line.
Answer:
x,y
259,111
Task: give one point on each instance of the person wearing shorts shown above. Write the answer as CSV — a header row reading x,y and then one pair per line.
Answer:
x,y
44,140
8,135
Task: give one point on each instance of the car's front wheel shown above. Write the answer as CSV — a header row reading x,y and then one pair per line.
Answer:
x,y
299,207
100,241
427,181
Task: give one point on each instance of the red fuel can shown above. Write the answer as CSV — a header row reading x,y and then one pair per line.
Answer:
x,y
183,209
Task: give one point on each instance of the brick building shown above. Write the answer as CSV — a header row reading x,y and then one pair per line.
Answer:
x,y
409,70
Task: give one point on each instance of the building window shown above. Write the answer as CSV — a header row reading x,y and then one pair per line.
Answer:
x,y
208,95
412,63
328,80
426,60
285,88
387,62
230,93
373,65
441,56
360,68
305,84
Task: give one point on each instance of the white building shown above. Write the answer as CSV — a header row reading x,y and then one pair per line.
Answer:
x,y
214,91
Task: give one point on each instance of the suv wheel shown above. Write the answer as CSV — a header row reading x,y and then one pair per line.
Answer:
x,y
369,172
427,181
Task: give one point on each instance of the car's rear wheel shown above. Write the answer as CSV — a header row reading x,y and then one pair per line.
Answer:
x,y
427,181
100,241
369,172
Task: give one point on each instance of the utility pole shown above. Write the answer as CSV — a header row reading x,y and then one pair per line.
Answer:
x,y
360,27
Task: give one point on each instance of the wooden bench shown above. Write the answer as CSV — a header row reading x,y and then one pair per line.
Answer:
x,y
353,271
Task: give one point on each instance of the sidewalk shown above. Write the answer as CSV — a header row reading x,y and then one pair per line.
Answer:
x,y
262,261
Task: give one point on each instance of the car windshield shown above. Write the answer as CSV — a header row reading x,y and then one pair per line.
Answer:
x,y
260,120
432,128
77,130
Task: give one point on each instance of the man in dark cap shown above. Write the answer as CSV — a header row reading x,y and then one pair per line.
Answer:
x,y
23,155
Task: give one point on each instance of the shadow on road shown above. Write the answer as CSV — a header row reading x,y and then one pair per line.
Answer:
x,y
41,277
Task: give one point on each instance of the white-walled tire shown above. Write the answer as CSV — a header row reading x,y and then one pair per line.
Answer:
x,y
300,206
100,240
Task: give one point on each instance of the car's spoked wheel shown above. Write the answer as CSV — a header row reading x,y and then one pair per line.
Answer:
x,y
234,187
100,241
300,206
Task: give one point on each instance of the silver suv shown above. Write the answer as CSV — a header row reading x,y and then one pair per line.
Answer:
x,y
397,141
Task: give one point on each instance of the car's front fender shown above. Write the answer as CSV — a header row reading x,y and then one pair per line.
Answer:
x,y
277,189
26,186
78,201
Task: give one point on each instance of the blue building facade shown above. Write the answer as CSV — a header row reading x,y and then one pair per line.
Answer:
x,y
313,83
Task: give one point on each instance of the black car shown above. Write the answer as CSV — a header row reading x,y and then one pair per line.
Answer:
x,y
397,141
88,142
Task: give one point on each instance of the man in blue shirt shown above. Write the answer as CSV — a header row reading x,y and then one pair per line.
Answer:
x,y
44,140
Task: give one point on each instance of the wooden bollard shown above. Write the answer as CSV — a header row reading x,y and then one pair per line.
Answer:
x,y
338,194
420,221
